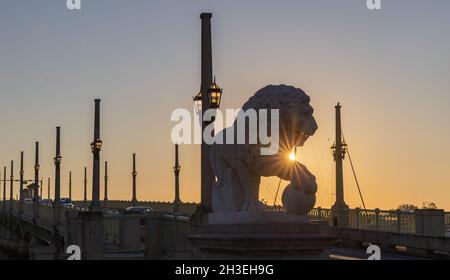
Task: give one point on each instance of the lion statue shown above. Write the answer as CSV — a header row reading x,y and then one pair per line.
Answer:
x,y
238,167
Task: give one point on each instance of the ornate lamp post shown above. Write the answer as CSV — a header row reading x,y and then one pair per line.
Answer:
x,y
96,147
21,184
11,188
4,189
105,198
57,160
176,171
85,188
209,98
36,183
134,174
70,184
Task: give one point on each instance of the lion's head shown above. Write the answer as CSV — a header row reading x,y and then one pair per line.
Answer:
x,y
297,123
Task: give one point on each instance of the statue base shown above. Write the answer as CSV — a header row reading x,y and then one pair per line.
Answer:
x,y
255,217
259,239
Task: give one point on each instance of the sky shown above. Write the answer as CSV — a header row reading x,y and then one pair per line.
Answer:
x,y
389,68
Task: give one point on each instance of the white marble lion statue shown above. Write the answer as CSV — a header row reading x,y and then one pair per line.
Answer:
x,y
238,167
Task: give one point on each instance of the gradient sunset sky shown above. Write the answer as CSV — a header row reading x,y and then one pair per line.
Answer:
x,y
390,69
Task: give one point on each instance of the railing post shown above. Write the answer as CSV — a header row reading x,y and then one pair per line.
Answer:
x,y
319,213
377,219
399,221
357,213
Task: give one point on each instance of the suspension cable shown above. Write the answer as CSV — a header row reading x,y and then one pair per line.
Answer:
x,y
354,173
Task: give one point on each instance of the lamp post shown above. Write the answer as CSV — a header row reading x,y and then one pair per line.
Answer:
x,y
70,185
96,147
36,183
57,196
48,187
21,184
134,174
4,189
105,198
85,188
176,171
208,98
11,188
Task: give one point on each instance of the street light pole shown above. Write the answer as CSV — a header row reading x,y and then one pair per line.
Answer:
x,y
134,174
11,189
105,199
36,183
57,160
96,146
85,188
21,198
176,171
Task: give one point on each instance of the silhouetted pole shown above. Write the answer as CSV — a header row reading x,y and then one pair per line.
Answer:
x,y
85,188
42,188
105,198
4,189
48,188
134,173
21,184
70,184
96,147
11,188
207,175
339,208
176,171
57,160
36,183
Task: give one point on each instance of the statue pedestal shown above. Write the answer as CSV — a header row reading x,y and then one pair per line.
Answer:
x,y
261,235
255,217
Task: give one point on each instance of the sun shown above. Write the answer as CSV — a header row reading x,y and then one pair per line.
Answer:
x,y
292,156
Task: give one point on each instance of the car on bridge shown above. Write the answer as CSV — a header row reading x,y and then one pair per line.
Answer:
x,y
67,203
46,202
138,210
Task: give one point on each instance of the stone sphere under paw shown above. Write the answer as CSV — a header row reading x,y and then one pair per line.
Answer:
x,y
297,202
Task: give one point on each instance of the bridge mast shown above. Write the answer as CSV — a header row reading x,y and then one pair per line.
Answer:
x,y
340,209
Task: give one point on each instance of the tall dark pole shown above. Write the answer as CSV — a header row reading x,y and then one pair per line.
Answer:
x,y
338,157
48,188
21,184
85,188
105,198
176,171
96,147
70,184
11,188
42,188
339,209
36,182
207,175
4,188
57,160
134,173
